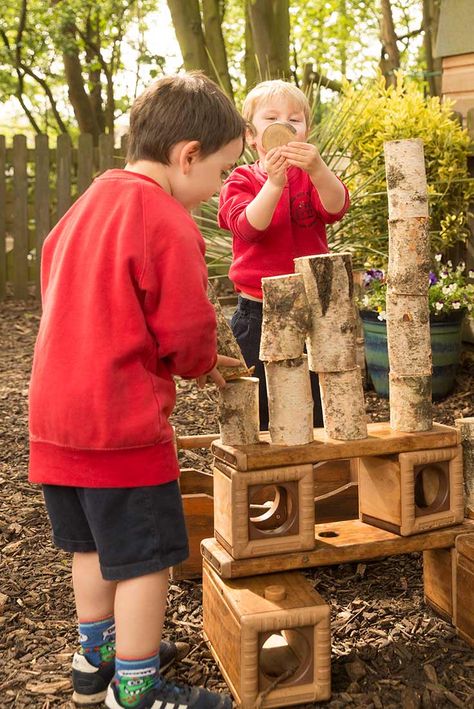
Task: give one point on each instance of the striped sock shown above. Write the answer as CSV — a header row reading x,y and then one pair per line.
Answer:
x,y
134,678
98,641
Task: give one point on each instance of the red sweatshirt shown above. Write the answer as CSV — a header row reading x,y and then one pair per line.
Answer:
x,y
124,309
297,227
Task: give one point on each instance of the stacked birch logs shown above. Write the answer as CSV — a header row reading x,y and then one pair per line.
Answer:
x,y
408,324
238,403
331,343
286,320
466,429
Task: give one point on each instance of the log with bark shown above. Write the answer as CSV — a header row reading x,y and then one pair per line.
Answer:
x,y
406,179
410,403
239,422
466,429
342,399
286,318
408,255
226,343
408,334
290,402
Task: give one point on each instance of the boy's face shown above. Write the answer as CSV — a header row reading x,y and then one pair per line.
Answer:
x,y
280,109
203,177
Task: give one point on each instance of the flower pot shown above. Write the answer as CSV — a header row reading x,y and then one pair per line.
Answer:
x,y
445,349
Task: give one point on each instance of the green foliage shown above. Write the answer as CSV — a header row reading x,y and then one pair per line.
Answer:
x,y
357,129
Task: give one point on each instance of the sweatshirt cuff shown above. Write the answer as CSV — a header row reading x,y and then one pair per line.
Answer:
x,y
330,217
246,231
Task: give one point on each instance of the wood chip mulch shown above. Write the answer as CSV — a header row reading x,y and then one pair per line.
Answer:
x,y
389,650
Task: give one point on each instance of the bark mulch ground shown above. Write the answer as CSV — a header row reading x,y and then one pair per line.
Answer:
x,y
389,650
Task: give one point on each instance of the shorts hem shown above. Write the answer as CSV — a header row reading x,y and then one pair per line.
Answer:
x,y
73,545
142,568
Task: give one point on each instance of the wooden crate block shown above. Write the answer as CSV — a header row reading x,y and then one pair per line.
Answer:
x,y
438,580
412,492
264,511
266,627
463,596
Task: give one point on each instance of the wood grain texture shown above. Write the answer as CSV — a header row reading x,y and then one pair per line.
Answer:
x,y
438,575
464,588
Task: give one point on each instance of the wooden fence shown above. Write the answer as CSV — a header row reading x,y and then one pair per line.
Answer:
x,y
37,186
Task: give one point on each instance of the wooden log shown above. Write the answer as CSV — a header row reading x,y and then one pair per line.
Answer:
x,y
466,429
286,318
410,403
226,343
406,179
408,335
438,574
290,402
342,399
329,288
408,256
463,591
238,412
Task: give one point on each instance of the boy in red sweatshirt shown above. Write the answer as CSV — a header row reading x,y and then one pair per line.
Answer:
x,y
124,310
277,210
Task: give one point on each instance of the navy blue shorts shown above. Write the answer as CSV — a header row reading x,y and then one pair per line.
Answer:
x,y
135,531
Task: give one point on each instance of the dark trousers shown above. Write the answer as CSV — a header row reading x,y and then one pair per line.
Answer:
x,y
246,325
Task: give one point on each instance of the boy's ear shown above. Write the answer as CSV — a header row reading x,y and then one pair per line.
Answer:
x,y
250,135
189,153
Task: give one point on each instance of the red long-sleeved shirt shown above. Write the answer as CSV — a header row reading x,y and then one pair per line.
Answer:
x,y
297,227
125,307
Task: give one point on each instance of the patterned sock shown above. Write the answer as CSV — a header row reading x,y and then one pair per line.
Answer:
x,y
134,678
98,641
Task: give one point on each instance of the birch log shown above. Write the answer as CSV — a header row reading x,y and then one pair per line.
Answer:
x,y
238,412
329,289
466,429
406,179
286,318
342,399
410,403
408,255
226,342
290,402
408,335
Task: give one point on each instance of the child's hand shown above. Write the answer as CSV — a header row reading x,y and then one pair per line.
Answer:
x,y
275,167
303,155
214,375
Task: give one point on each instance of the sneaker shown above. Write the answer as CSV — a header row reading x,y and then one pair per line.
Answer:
x,y
90,683
172,696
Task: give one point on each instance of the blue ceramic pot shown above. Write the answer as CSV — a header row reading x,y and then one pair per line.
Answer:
x,y
445,349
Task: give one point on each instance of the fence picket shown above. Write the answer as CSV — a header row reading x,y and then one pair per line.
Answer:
x,y
63,176
106,152
3,221
85,162
20,217
42,200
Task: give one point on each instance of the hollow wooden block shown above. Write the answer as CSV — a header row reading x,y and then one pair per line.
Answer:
x,y
463,596
264,511
412,492
438,580
263,627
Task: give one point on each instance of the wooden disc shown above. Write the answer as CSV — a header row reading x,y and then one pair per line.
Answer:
x,y
275,593
277,134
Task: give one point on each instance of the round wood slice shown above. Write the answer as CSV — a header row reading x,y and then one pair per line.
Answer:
x,y
277,134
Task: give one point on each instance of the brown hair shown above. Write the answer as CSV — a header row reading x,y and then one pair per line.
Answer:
x,y
266,90
181,107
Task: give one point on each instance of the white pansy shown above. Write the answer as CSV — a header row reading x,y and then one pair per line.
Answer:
x,y
438,257
382,315
456,305
438,305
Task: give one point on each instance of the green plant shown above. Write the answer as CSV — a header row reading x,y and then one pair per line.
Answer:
x,y
449,291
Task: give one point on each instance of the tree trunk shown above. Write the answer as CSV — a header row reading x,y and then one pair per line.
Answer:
x,y
215,43
408,335
433,65
270,26
342,399
286,318
410,403
409,255
406,179
290,402
390,60
226,343
250,57
186,17
466,429
238,412
329,289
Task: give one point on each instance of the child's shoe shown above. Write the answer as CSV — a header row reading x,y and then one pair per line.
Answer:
x,y
90,683
171,695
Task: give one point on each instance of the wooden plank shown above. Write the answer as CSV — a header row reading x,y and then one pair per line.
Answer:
x,y
461,79
336,543
3,209
458,60
438,571
42,218
106,151
190,442
20,217
195,481
85,162
63,174
199,515
381,440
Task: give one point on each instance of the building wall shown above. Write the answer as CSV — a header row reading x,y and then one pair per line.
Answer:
x,y
458,82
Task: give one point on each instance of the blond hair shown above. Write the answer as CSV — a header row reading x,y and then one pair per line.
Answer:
x,y
266,90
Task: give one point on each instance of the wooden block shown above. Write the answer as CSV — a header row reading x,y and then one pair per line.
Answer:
x,y
464,588
264,511
261,628
438,575
335,543
381,440
412,492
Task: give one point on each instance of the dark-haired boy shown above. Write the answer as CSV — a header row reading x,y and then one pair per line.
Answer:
x,y
124,310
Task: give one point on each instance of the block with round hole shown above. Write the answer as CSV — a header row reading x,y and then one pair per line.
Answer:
x,y
270,636
264,511
412,492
